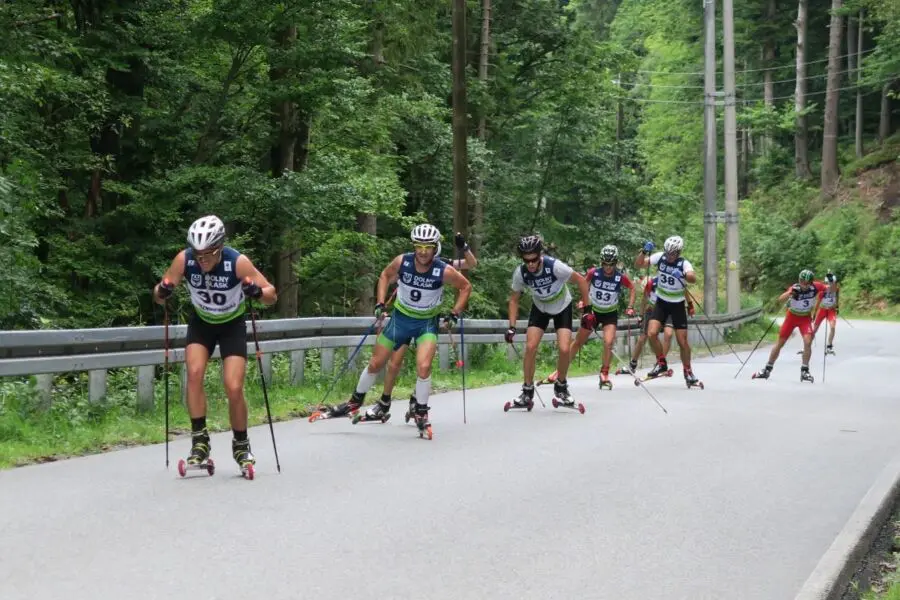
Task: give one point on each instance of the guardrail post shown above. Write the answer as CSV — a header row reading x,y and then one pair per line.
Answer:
x,y
45,389
96,385
327,361
146,375
266,360
444,356
298,366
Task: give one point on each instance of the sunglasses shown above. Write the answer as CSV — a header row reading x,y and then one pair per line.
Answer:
x,y
208,255
532,261
424,246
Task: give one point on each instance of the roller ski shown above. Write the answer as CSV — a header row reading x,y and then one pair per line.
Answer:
x,y
629,369
805,375
829,349
691,381
411,411
199,459
240,450
551,378
378,412
660,369
764,374
524,400
344,409
422,424
562,398
604,381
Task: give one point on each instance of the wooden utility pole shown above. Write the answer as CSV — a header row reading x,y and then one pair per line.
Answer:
x,y
710,158
460,129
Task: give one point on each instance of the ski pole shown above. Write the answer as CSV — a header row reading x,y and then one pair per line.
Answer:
x,y
702,337
825,351
708,318
769,328
638,380
166,372
350,360
262,379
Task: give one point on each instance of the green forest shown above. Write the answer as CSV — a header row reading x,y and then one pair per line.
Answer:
x,y
320,132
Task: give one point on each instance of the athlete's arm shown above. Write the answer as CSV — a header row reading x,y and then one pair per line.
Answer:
x,y
642,259
467,263
689,274
174,274
513,308
389,275
458,280
583,290
245,268
783,298
626,281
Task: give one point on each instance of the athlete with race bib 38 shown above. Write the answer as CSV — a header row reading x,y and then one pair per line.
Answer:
x,y
220,280
673,273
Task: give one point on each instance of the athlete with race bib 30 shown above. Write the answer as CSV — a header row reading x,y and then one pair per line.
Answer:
x,y
803,301
220,280
673,273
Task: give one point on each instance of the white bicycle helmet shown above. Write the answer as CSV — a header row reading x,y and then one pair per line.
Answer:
x,y
206,232
427,234
674,244
609,254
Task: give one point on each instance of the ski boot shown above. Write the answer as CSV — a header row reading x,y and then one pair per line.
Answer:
x,y
829,349
551,378
660,369
691,381
380,411
562,398
604,380
344,409
411,411
524,400
240,450
805,375
631,369
421,416
199,458
764,374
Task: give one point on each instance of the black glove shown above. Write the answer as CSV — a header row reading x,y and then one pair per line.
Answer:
x,y
379,310
795,291
461,244
165,289
510,335
451,320
829,278
251,290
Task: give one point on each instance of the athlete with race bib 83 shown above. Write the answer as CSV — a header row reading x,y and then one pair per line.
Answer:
x,y
219,279
674,271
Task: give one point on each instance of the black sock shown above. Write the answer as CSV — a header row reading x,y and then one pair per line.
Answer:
x,y
385,398
240,436
198,424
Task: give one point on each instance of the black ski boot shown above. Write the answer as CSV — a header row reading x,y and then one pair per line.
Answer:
x,y
561,394
829,349
659,369
631,369
421,415
380,411
691,380
524,400
199,448
764,374
344,409
411,411
805,374
240,450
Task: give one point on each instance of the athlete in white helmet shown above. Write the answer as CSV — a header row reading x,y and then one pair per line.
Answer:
x,y
674,273
219,279
420,278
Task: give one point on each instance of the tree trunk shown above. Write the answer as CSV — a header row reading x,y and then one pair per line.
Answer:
x,y
830,171
801,150
859,99
884,123
482,121
769,61
460,127
285,115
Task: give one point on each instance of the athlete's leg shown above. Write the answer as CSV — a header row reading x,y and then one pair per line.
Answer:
x,y
532,341
609,339
784,333
832,324
564,341
393,370
668,332
235,370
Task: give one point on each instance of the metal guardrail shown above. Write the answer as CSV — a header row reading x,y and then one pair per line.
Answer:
x,y
44,353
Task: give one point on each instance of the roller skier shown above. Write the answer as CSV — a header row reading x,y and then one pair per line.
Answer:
x,y
829,306
803,300
673,273
545,278
220,280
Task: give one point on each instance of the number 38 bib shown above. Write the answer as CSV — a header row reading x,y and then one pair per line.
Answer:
x,y
217,296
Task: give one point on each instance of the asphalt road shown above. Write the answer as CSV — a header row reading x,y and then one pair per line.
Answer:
x,y
735,494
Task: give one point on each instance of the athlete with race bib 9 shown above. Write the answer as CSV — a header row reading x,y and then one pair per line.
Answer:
x,y
220,280
673,273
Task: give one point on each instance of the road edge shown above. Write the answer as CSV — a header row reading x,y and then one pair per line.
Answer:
x,y
836,567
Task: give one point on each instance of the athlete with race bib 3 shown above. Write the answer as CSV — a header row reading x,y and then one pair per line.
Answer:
x,y
220,280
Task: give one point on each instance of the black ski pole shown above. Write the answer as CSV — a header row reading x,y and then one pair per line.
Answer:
x,y
743,364
262,379
166,372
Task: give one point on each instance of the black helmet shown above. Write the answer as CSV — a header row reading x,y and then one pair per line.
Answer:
x,y
530,244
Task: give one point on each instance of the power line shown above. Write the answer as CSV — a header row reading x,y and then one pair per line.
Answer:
x,y
786,66
635,84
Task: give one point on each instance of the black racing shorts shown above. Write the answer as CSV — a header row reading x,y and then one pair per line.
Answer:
x,y
605,318
231,336
561,320
676,311
649,315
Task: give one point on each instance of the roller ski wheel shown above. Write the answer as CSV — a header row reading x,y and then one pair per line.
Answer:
x,y
761,374
667,373
426,432
209,466
361,417
516,405
605,383
829,351
571,406
694,384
